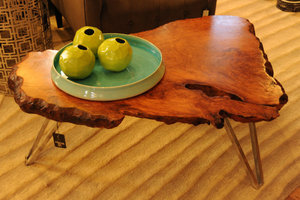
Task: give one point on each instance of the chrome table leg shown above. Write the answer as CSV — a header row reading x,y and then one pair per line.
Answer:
x,y
257,181
256,154
38,146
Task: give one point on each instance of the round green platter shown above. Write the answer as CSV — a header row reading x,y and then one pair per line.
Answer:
x,y
145,70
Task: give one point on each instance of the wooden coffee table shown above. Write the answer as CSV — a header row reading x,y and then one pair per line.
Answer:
x,y
216,69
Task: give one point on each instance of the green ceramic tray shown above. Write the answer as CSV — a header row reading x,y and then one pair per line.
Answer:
x,y
145,71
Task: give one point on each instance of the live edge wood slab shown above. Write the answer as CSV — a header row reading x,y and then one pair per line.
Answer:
x,y
215,68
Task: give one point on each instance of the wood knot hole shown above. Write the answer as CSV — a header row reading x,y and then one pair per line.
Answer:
x,y
283,99
212,91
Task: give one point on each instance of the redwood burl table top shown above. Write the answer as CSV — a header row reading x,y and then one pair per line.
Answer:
x,y
215,67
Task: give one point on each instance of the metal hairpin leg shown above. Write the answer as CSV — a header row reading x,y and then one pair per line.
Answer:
x,y
39,145
257,181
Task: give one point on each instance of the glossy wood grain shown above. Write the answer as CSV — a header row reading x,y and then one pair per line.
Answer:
x,y
295,195
215,68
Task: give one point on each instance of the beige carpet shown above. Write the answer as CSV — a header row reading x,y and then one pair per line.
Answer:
x,y
145,159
